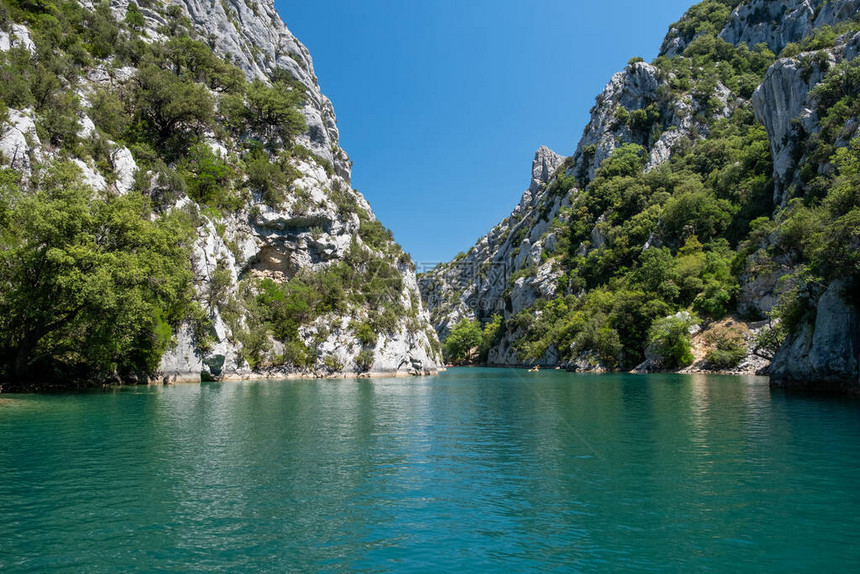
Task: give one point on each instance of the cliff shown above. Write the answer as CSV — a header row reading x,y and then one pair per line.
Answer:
x,y
686,192
277,226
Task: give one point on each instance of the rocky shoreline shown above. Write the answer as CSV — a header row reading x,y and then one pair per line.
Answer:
x,y
196,378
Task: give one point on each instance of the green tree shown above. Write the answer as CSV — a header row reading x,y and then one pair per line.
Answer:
x,y
90,284
194,59
207,175
108,113
170,109
465,336
669,340
274,109
491,335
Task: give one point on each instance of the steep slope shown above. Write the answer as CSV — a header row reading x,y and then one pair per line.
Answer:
x,y
212,112
715,180
477,281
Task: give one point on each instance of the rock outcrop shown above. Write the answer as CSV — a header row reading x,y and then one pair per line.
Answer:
x,y
477,285
636,88
824,355
20,147
784,105
775,23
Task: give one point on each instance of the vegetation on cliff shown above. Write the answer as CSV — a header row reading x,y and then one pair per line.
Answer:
x,y
90,284
99,281
640,243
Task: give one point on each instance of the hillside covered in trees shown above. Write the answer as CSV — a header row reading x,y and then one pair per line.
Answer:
x,y
715,188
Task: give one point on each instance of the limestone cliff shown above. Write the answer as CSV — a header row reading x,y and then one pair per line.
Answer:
x,y
489,279
667,108
825,354
298,227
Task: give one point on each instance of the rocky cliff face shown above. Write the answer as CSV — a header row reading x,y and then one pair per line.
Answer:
x,y
825,354
665,110
637,88
252,35
493,277
784,105
316,224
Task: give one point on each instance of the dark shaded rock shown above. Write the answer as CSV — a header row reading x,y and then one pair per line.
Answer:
x,y
824,356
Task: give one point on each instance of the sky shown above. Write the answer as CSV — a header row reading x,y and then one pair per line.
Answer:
x,y
441,104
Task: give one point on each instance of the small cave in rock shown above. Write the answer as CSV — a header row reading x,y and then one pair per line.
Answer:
x,y
274,261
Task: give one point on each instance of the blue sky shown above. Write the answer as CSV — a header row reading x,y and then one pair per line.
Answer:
x,y
441,104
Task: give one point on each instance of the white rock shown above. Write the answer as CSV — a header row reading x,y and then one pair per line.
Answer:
x,y
181,362
19,145
772,22
17,37
124,168
90,176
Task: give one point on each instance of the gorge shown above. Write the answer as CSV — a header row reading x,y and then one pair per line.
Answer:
x,y
176,207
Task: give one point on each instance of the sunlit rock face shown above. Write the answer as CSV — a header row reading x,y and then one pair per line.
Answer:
x,y
280,243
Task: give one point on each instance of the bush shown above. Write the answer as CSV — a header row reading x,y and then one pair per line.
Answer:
x,y
164,188
196,60
108,113
16,76
219,285
202,328
769,339
364,360
696,212
298,354
60,121
728,347
133,17
208,175
598,337
375,235
256,345
626,160
669,340
364,334
332,364
268,179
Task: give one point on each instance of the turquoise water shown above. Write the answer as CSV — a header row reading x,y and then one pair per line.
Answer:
x,y
473,470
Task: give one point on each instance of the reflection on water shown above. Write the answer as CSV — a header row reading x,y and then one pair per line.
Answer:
x,y
473,469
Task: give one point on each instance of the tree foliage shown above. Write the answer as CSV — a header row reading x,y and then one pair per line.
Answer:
x,y
463,338
91,284
170,108
669,341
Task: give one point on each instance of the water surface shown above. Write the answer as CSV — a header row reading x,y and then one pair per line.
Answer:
x,y
476,469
